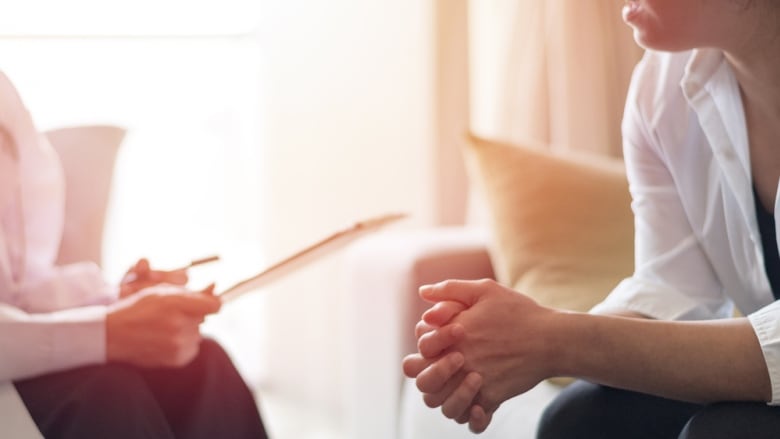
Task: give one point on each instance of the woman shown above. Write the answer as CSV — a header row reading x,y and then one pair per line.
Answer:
x,y
662,355
90,359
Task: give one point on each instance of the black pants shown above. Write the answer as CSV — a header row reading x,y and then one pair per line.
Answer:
x,y
205,399
590,411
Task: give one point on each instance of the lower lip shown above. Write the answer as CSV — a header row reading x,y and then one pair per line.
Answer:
x,y
630,10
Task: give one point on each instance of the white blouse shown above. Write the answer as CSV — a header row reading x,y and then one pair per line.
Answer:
x,y
698,247
51,317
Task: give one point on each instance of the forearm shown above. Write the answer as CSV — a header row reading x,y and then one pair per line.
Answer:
x,y
718,360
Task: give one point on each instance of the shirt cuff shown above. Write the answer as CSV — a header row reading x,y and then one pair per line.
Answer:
x,y
66,287
658,302
45,343
766,324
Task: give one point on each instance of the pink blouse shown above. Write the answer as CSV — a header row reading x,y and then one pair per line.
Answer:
x,y
52,317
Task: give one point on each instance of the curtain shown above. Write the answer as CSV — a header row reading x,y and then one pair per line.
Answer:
x,y
553,71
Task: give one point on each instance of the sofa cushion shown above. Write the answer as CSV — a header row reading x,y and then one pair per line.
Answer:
x,y
562,227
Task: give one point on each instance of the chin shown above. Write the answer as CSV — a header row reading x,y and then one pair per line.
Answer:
x,y
660,42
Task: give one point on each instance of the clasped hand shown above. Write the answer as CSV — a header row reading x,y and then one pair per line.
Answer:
x,y
479,345
156,321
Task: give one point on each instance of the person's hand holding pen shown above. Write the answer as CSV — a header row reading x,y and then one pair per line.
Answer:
x,y
158,326
156,321
141,276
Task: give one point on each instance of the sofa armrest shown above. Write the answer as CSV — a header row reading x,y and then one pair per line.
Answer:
x,y
383,276
87,154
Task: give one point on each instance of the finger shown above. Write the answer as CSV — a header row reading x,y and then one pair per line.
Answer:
x,y
431,344
209,290
464,418
422,328
138,272
442,312
175,277
434,377
467,292
413,364
461,399
436,399
141,267
192,304
479,419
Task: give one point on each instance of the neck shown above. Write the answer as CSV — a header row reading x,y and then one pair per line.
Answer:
x,y
756,63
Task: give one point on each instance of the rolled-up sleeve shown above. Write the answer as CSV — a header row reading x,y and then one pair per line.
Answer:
x,y
62,287
673,277
766,324
34,344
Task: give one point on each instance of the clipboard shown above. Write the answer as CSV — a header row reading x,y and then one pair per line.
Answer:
x,y
314,251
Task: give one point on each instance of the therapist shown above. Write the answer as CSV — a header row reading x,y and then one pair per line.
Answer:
x,y
662,356
90,359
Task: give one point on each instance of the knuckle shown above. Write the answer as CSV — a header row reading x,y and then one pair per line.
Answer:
x,y
427,381
486,282
424,346
454,331
420,329
422,383
411,365
451,410
487,396
170,326
446,284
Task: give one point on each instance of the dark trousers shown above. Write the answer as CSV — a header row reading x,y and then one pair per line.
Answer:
x,y
205,399
591,411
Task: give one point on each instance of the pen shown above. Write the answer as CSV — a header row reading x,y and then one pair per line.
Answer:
x,y
131,277
200,261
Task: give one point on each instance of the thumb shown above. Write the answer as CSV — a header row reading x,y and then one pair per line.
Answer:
x,y
466,292
209,290
142,267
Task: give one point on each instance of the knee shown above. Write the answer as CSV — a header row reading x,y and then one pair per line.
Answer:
x,y
211,356
114,396
99,401
577,412
109,386
732,419
212,350
707,424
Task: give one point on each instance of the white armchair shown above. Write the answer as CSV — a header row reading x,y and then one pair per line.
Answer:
x,y
88,154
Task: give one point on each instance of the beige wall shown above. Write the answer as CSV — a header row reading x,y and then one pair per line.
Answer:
x,y
347,115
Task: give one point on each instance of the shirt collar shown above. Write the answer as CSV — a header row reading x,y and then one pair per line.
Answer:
x,y
712,91
702,67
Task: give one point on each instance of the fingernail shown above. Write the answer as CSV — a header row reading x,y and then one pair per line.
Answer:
x,y
425,290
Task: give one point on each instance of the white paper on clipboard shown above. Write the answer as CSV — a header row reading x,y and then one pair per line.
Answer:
x,y
321,248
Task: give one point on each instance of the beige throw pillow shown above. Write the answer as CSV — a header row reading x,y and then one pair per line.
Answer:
x,y
562,225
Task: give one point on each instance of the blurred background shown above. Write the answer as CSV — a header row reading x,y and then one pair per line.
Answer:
x,y
257,126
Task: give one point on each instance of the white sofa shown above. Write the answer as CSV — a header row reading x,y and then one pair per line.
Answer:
x,y
385,273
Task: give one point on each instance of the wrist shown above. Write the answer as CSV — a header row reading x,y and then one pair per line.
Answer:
x,y
568,345
112,351
115,328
